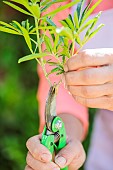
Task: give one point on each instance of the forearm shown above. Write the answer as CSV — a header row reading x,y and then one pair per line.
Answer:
x,y
74,127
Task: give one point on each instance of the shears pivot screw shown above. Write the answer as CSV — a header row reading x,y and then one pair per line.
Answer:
x,y
58,124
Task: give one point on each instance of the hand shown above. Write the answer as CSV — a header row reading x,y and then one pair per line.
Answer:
x,y
39,157
89,78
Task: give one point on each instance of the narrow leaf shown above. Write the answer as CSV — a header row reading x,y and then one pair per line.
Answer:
x,y
27,38
32,56
56,43
50,22
90,11
8,26
65,31
61,8
8,30
96,31
87,24
70,24
48,43
17,8
79,8
93,24
64,23
35,10
76,20
53,2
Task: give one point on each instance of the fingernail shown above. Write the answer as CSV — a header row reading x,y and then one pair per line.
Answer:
x,y
65,68
61,161
46,157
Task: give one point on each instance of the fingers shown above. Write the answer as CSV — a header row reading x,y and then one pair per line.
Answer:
x,y
90,57
90,76
92,91
105,102
73,150
38,165
38,151
78,161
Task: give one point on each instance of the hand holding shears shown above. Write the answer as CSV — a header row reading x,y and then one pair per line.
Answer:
x,y
54,134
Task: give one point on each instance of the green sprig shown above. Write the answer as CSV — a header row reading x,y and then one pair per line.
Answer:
x,y
59,41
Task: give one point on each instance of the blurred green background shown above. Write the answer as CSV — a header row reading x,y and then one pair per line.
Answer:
x,y
18,105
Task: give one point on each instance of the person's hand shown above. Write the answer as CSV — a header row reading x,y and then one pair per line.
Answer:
x,y
39,157
89,78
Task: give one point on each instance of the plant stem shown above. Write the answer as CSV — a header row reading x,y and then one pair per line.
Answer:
x,y
79,49
73,47
40,51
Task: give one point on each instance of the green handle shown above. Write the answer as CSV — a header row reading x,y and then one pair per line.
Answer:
x,y
66,168
62,133
48,140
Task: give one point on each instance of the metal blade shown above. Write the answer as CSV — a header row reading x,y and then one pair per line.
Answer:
x,y
50,109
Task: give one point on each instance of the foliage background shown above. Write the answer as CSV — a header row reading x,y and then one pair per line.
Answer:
x,y
18,105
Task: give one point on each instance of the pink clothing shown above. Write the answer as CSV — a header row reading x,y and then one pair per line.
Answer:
x,y
65,102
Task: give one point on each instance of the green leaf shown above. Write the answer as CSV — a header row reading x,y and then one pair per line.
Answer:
x,y
84,12
96,31
56,69
48,43
52,63
17,8
35,1
61,8
64,23
50,22
60,72
32,56
8,30
79,8
8,26
70,23
87,24
27,38
93,24
47,2
35,10
65,31
90,11
26,35
25,3
78,40
56,43
44,2
66,42
76,20
65,52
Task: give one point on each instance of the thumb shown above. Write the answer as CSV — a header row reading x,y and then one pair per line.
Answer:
x,y
68,153
37,150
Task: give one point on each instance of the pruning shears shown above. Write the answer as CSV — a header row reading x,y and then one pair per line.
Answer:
x,y
54,133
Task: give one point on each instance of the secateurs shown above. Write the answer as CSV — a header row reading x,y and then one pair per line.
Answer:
x,y
54,134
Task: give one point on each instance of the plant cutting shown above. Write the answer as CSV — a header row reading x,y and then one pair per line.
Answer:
x,y
45,38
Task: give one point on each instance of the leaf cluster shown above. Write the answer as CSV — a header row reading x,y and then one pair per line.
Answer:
x,y
59,42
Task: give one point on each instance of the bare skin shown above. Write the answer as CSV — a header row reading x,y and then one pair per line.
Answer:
x,y
73,155
89,78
